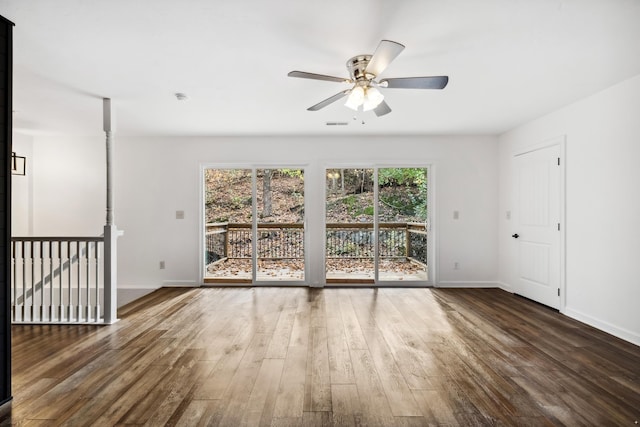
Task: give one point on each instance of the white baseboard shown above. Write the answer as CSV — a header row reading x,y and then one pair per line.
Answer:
x,y
622,333
467,284
126,295
505,287
180,284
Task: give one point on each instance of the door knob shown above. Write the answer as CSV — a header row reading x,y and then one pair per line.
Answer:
x,y
515,236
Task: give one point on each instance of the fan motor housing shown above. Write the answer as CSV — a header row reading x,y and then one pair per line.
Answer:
x,y
357,66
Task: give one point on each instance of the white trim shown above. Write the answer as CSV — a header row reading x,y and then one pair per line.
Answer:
x,y
127,295
550,142
254,223
180,284
602,325
432,243
376,226
468,284
505,286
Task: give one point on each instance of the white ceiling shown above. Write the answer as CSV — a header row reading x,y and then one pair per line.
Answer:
x,y
509,61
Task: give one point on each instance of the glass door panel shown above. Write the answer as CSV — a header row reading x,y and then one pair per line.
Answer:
x,y
349,201
402,224
280,235
228,225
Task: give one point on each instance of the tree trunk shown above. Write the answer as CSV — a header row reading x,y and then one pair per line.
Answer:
x,y
266,193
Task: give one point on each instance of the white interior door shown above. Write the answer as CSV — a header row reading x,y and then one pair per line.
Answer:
x,y
537,225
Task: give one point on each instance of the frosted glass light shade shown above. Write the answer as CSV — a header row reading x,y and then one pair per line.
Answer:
x,y
372,99
355,99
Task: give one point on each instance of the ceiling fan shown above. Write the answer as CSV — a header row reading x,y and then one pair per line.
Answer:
x,y
364,71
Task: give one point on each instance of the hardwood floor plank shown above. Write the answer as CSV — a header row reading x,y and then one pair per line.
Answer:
x,y
263,396
404,343
291,390
373,400
173,393
320,380
282,334
220,378
345,405
352,328
193,413
237,396
286,422
395,388
317,419
109,412
344,357
340,366
434,407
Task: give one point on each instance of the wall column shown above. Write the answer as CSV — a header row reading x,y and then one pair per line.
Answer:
x,y
110,229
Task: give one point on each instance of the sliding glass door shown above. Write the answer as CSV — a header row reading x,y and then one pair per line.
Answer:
x,y
228,225
402,224
376,225
254,225
280,215
349,207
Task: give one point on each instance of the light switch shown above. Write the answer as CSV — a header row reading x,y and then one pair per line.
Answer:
x,y
179,214
456,215
508,215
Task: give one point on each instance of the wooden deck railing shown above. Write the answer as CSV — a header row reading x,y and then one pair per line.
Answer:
x,y
344,240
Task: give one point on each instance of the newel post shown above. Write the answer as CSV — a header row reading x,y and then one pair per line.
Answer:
x,y
110,229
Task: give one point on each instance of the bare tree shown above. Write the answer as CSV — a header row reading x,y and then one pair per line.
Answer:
x,y
266,193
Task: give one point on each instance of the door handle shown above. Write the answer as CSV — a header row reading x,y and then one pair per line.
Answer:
x,y
515,236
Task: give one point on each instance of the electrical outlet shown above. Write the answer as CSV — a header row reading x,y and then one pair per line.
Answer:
x,y
161,265
179,214
456,265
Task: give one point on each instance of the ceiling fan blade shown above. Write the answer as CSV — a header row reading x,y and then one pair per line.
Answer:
x,y
382,109
313,76
437,82
329,100
382,57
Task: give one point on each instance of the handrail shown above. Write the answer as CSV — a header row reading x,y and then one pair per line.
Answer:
x,y
284,240
56,239
329,225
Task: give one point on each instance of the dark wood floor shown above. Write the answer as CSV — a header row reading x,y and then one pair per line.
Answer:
x,y
297,356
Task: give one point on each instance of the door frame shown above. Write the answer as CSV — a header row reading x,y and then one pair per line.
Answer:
x,y
561,142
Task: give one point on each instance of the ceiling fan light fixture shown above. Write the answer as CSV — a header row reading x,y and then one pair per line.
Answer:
x,y
356,98
372,99
364,70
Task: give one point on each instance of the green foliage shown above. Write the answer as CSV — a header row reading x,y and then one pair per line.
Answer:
x,y
293,173
412,201
402,176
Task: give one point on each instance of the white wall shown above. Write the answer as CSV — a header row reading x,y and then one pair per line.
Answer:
x,y
69,194
602,205
157,176
22,189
